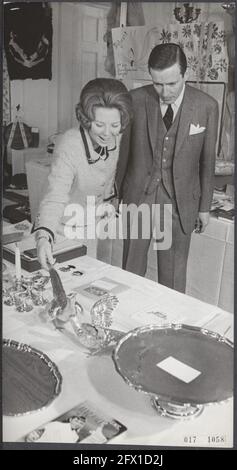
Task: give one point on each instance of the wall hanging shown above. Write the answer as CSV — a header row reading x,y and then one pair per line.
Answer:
x,y
120,14
28,40
204,45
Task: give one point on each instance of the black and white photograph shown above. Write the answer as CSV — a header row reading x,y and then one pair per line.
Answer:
x,y
84,424
118,216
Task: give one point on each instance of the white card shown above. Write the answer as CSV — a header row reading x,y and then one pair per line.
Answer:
x,y
103,284
178,369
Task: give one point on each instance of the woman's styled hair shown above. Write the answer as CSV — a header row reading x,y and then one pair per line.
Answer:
x,y
104,93
164,56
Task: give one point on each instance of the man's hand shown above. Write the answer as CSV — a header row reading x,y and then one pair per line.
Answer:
x,y
202,221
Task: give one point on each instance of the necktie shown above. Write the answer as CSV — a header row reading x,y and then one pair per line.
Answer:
x,y
168,117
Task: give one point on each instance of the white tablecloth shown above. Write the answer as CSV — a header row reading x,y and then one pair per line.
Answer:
x,y
210,269
96,379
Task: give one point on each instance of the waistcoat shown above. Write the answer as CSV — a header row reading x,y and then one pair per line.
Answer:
x,y
163,157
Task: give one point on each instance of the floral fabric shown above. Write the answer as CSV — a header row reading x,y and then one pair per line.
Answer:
x,y
203,43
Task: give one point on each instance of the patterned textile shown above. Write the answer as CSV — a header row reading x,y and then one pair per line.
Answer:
x,y
6,104
135,16
28,40
203,43
168,117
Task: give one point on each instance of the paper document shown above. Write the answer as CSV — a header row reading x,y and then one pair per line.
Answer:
x,y
178,369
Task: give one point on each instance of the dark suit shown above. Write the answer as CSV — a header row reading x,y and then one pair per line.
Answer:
x,y
188,182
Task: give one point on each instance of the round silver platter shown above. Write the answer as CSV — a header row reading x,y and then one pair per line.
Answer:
x,y
31,380
138,353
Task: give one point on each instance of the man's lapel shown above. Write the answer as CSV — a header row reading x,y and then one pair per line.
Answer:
x,y
186,116
152,110
154,116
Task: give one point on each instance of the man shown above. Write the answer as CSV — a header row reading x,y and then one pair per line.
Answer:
x,y
168,157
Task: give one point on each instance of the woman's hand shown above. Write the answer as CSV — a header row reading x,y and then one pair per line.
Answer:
x,y
44,252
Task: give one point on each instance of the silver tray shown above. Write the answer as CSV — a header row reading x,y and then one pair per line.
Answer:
x,y
31,381
137,354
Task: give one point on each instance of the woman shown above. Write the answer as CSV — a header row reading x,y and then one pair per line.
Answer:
x,y
84,167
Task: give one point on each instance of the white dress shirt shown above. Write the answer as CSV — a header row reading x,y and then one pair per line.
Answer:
x,y
175,106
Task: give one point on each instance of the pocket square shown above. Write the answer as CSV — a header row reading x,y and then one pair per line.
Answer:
x,y
196,129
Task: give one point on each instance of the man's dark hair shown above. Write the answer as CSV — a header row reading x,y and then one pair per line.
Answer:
x,y
164,56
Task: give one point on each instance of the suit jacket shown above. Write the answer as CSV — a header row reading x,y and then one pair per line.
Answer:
x,y
194,155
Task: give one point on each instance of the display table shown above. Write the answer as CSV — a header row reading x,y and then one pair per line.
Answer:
x,y
95,378
210,272
210,269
